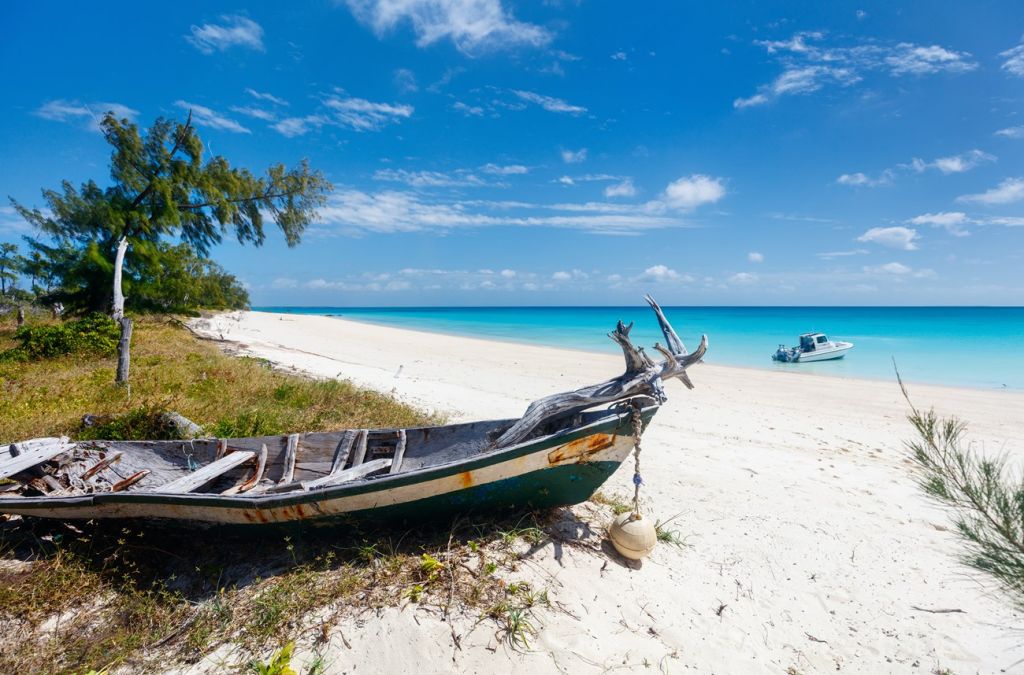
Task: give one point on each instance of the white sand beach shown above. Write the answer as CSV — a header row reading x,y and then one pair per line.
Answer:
x,y
809,547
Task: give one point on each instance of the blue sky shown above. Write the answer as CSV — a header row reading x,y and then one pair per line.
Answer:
x,y
488,152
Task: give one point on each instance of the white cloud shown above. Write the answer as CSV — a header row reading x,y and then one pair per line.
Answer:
x,y
888,268
345,111
233,31
893,237
258,113
809,66
1014,63
965,161
405,80
291,127
689,192
623,189
467,109
428,178
743,278
590,178
574,275
350,211
954,164
619,56
12,223
284,282
1009,191
1008,221
263,96
474,26
508,274
898,270
952,221
208,117
363,115
829,255
60,110
802,80
574,157
549,103
863,180
1012,132
507,170
662,273
910,59
755,257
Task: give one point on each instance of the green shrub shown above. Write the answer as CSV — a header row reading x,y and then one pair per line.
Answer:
x,y
94,334
143,423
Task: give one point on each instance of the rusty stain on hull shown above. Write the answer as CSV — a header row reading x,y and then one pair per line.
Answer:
x,y
581,448
466,479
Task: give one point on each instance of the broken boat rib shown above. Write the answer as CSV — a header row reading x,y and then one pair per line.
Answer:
x,y
558,453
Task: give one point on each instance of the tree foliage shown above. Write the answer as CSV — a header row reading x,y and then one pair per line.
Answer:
x,y
10,265
157,278
161,186
985,495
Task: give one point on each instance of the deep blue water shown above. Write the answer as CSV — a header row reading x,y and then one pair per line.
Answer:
x,y
972,346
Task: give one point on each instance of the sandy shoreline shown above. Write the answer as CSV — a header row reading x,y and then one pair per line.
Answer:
x,y
794,495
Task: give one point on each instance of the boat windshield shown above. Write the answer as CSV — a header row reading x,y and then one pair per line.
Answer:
x,y
822,339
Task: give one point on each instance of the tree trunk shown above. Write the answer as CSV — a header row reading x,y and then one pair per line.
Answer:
x,y
123,347
117,312
21,317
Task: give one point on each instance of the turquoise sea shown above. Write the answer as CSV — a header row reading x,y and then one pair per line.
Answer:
x,y
961,346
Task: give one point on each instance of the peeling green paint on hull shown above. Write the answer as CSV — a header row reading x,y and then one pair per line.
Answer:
x,y
557,486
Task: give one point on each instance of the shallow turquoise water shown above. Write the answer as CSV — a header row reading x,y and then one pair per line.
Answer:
x,y
972,346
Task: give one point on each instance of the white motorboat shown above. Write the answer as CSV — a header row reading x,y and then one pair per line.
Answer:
x,y
813,347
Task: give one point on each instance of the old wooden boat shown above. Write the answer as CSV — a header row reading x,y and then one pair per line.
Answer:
x,y
558,453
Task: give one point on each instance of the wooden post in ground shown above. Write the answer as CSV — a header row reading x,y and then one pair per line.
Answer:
x,y
21,316
123,347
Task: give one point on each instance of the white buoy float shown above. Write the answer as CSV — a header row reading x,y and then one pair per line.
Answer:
x,y
632,535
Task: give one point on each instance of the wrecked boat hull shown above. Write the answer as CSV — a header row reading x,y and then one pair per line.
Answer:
x,y
556,470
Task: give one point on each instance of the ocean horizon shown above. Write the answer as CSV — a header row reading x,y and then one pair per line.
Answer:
x,y
980,347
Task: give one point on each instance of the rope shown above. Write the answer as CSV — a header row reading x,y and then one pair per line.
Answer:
x,y
638,430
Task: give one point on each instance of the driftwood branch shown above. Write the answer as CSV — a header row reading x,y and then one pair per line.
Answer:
x,y
642,377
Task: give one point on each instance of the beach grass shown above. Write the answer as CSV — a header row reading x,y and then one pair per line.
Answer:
x,y
172,370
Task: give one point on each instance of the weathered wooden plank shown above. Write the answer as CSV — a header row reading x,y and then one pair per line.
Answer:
x,y
101,465
360,455
364,469
22,447
348,439
257,474
129,481
396,464
26,459
204,475
288,472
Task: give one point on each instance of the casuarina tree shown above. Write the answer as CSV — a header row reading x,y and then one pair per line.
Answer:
x,y
162,186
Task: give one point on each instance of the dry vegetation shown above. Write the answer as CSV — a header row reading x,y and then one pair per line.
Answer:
x,y
172,370
75,598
